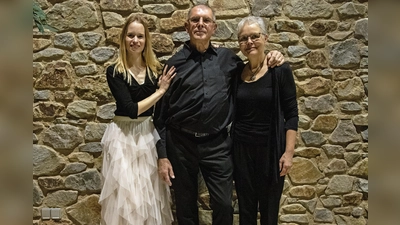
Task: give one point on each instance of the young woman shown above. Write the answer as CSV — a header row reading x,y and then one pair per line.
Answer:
x,y
264,128
132,192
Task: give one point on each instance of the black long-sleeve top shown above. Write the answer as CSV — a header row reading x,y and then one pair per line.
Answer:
x,y
254,106
199,98
128,95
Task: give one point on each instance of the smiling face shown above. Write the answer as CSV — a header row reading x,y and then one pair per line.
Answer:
x,y
135,38
252,40
200,25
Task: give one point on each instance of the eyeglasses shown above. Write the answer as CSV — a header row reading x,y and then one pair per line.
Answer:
x,y
196,20
245,38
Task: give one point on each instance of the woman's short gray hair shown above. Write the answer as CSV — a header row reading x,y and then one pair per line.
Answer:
x,y
251,20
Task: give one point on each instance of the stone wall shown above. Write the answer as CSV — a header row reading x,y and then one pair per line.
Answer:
x,y
325,41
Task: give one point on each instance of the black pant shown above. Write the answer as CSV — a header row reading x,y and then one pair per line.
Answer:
x,y
212,156
255,190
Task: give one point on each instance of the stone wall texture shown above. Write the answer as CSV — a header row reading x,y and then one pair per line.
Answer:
x,y
325,42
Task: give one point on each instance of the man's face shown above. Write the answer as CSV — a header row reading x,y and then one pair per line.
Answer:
x,y
200,25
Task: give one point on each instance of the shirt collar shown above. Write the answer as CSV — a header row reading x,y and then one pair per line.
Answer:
x,y
189,50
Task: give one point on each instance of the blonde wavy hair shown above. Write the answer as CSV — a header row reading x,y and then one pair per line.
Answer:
x,y
148,55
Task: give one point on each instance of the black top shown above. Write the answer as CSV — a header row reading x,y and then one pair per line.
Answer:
x,y
199,98
254,106
128,95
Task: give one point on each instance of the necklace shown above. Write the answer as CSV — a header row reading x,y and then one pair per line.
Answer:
x,y
254,74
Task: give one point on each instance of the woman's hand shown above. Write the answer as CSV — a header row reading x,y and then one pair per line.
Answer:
x,y
165,80
285,163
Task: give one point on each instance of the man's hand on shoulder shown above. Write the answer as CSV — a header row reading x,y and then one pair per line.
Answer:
x,y
275,58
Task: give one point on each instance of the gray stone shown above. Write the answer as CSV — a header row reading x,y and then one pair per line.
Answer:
x,y
223,32
364,51
82,157
112,19
56,75
313,106
46,161
350,107
37,194
86,211
159,9
314,42
345,220
344,54
296,63
340,75
294,218
80,57
48,110
333,151
92,147
361,185
360,169
354,147
307,152
61,198
295,26
322,27
312,138
323,215
93,88
352,158
340,36
305,73
351,89
72,168
309,204
317,59
304,171
325,123
343,211
86,70
344,26
284,38
364,135
51,183
180,36
302,192
308,9
88,181
340,184
48,54
336,166
106,111
350,9
73,15
297,51
364,63
37,69
331,201
294,209
94,131
357,212
65,41
231,8
102,54
327,72
314,86
62,136
304,121
41,95
360,120
344,133
82,109
40,44
89,40
64,95
120,5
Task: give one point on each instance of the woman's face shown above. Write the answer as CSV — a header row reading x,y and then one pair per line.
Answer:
x,y
135,38
251,40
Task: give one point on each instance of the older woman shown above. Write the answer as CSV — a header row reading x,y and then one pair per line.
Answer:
x,y
264,129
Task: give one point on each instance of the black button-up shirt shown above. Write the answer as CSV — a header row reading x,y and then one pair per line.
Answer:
x,y
200,96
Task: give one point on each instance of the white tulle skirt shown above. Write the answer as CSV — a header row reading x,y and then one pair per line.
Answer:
x,y
132,191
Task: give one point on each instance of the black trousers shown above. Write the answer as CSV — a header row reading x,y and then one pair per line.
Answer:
x,y
210,155
255,190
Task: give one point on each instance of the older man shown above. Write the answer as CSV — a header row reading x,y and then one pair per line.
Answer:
x,y
192,120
